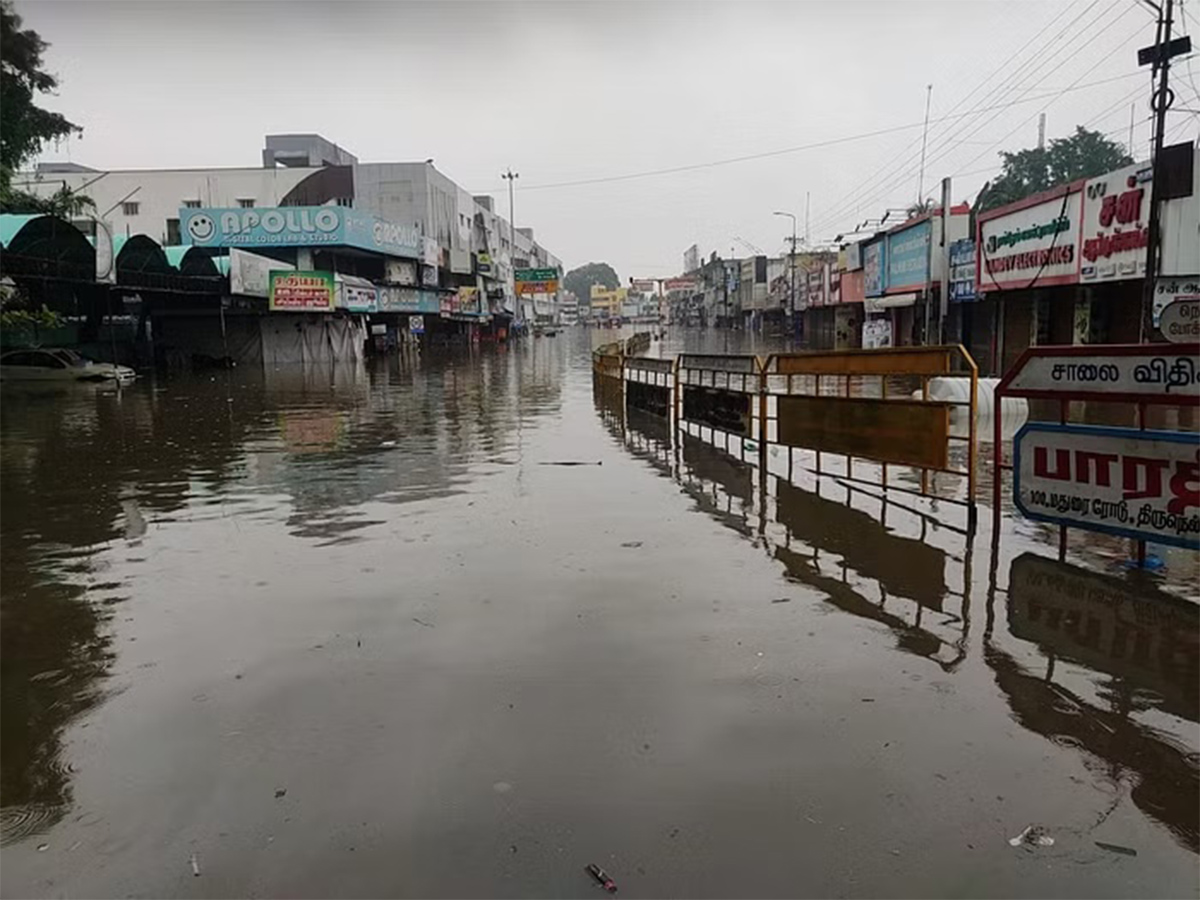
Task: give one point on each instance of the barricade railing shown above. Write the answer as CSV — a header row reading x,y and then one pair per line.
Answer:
x,y
885,407
608,363
650,384
718,399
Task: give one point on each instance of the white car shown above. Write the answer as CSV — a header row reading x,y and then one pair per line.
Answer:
x,y
58,365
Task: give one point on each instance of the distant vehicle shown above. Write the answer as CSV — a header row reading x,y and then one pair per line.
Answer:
x,y
59,365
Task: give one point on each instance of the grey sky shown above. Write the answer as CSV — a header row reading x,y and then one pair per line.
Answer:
x,y
566,92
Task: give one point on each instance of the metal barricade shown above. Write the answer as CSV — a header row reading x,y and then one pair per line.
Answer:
x,y
650,384
717,399
607,364
874,406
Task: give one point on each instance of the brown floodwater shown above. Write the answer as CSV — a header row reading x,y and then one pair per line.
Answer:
x,y
356,633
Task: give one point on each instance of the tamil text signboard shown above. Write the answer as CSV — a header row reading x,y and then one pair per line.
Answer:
x,y
681,284
1180,321
908,257
1034,242
302,291
536,281
1169,289
296,226
1136,373
1116,212
962,271
1140,484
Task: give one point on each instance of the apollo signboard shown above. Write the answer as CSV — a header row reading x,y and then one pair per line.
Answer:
x,y
1034,242
296,226
1139,484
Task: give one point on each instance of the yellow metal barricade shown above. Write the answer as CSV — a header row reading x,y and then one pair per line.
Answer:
x,y
890,407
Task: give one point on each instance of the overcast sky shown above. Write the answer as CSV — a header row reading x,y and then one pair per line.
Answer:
x,y
569,92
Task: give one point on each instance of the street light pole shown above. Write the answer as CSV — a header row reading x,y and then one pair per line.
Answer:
x,y
792,266
510,176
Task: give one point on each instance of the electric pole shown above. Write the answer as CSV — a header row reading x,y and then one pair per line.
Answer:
x,y
1161,66
510,176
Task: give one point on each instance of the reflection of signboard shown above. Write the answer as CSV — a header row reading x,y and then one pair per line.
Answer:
x,y
302,291
1168,290
1180,321
1034,241
1140,484
1116,210
1140,372
250,274
962,270
416,324
1145,636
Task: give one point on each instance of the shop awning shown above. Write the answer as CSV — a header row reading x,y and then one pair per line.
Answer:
x,y
892,301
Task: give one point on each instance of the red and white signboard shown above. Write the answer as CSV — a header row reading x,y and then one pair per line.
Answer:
x,y
1140,484
1135,373
681,284
1031,243
1116,216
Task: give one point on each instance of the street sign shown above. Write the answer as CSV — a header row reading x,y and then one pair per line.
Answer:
x,y
1133,373
1139,484
535,275
1168,289
538,287
1154,54
416,324
1180,321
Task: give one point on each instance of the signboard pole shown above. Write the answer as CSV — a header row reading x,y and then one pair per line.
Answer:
x,y
944,298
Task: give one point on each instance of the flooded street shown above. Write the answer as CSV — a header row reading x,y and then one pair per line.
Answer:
x,y
360,633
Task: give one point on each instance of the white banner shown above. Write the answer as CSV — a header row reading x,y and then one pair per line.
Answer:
x,y
1033,245
250,274
1141,484
1116,214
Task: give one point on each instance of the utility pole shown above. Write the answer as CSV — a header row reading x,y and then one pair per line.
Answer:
x,y
1162,66
510,176
924,141
1042,131
792,266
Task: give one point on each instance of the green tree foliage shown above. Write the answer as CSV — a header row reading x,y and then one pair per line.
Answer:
x,y
1085,154
579,281
24,126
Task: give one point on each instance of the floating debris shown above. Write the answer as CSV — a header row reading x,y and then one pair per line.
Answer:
x,y
1116,848
1033,836
601,878
195,861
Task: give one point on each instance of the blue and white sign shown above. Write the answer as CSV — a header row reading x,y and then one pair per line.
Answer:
x,y
407,299
962,270
297,226
874,258
908,257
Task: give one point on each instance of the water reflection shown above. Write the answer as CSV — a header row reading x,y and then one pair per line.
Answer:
x,y
1107,666
90,476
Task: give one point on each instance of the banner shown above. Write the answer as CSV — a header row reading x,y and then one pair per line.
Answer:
x,y
1032,242
908,257
250,274
1139,484
302,291
874,275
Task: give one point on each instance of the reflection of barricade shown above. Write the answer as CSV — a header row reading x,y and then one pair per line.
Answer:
x,y
717,400
650,384
874,406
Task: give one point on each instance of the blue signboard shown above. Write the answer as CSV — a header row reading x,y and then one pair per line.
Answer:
x,y
908,257
297,226
874,258
408,299
962,271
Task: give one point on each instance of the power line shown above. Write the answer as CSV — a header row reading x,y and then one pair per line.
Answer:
x,y
946,147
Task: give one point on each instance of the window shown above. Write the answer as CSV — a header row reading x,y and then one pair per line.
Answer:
x,y
191,204
130,208
173,239
246,202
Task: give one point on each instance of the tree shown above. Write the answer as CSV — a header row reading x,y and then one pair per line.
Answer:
x,y
1085,154
24,126
579,281
920,207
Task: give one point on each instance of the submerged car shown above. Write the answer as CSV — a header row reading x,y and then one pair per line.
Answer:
x,y
59,365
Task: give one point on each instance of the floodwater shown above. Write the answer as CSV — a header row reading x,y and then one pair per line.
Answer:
x,y
359,634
